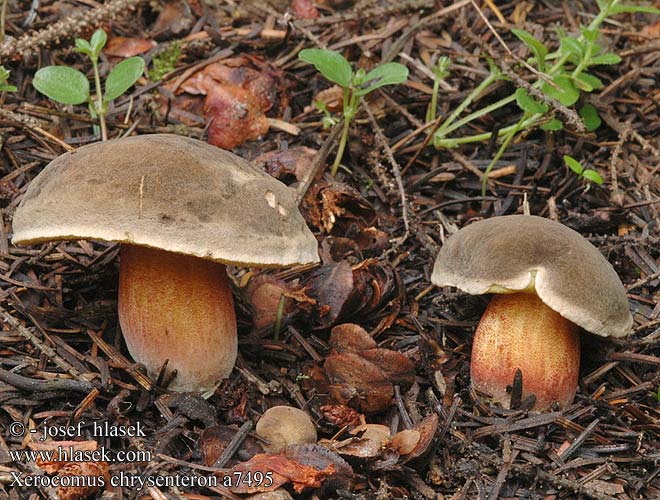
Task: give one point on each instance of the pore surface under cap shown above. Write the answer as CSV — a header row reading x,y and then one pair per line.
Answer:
x,y
569,274
168,192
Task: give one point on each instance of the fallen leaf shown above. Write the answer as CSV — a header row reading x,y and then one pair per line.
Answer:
x,y
304,9
349,337
342,415
397,367
651,30
94,470
289,165
283,470
332,98
330,286
337,208
320,457
213,441
264,294
427,429
357,382
379,434
404,442
121,46
175,18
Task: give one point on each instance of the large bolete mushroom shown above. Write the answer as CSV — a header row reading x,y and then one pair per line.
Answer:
x,y
551,282
182,210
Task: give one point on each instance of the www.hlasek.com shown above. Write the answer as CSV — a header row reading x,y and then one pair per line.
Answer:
x,y
74,452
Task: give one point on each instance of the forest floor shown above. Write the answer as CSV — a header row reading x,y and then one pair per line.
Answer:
x,y
412,174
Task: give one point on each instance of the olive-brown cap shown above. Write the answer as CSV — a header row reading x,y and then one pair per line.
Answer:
x,y
523,252
169,192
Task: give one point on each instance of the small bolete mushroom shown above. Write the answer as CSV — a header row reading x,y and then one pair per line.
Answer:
x,y
182,210
282,426
552,282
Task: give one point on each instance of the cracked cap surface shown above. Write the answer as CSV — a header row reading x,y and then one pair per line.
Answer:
x,y
517,252
169,192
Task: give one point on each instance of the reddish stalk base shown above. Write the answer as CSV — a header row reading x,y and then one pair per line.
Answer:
x,y
520,331
178,308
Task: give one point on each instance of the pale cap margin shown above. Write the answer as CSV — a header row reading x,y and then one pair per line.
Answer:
x,y
516,252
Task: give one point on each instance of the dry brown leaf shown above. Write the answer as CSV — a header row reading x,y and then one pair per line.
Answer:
x,y
304,9
290,165
234,115
331,286
651,30
78,469
349,337
175,18
342,415
283,470
404,442
121,46
427,430
355,381
398,368
264,294
214,440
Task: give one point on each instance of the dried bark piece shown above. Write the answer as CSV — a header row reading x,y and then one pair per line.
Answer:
x,y
342,415
97,472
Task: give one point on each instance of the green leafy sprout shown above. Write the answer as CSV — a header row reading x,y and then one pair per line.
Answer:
x,y
562,75
70,86
355,84
586,173
4,85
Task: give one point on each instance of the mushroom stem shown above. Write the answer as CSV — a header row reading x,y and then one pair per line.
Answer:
x,y
178,308
519,331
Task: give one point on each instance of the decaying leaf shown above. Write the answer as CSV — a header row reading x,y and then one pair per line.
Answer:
x,y
214,440
427,430
235,116
174,18
349,337
121,46
336,208
342,415
355,381
342,291
397,367
331,286
290,165
98,472
320,457
239,92
93,470
304,9
404,442
284,470
265,293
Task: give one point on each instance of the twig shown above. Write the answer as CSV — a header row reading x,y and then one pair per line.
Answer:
x,y
34,340
234,444
65,28
319,161
380,136
32,385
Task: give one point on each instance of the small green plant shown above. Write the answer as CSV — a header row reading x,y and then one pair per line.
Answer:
x,y
70,86
328,120
165,61
586,173
562,75
356,84
4,85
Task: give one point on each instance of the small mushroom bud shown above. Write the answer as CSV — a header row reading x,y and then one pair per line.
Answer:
x,y
281,426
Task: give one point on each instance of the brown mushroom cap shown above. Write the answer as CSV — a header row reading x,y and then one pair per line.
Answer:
x,y
169,192
519,252
282,426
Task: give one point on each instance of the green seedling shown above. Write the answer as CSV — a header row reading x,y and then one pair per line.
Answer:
x,y
586,173
440,72
356,84
4,85
70,86
328,120
563,75
165,61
